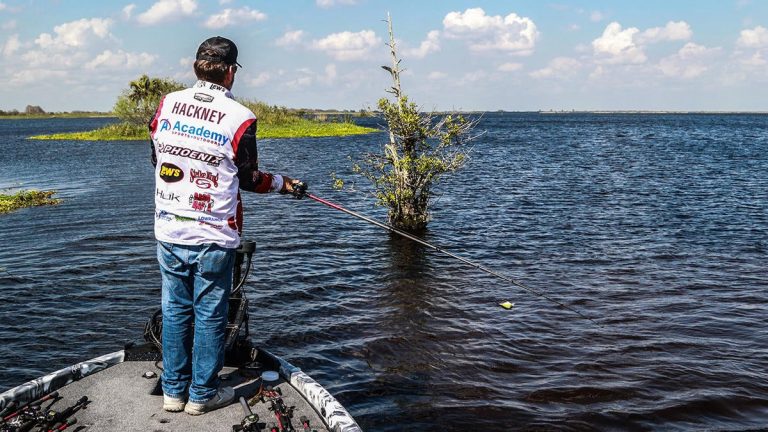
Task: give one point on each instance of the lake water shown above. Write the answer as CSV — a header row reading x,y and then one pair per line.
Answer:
x,y
655,226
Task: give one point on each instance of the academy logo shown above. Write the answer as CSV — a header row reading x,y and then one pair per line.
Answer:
x,y
200,133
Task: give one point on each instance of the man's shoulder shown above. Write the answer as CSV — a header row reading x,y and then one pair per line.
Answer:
x,y
241,109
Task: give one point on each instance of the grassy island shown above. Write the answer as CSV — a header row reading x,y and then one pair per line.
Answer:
x,y
137,104
296,127
22,199
4,115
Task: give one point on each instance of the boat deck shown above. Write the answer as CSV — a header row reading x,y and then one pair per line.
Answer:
x,y
122,399
123,393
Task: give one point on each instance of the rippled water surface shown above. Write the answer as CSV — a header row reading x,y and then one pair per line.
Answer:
x,y
654,226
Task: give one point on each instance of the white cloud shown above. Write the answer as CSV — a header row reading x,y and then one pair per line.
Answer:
x,y
347,45
186,62
690,61
128,11
330,73
299,82
510,67
472,77
224,2
305,77
512,33
755,60
11,46
436,75
30,76
76,51
167,10
43,58
753,38
429,45
597,73
260,80
627,46
330,3
559,67
596,16
121,60
290,38
673,31
617,45
9,25
231,17
75,34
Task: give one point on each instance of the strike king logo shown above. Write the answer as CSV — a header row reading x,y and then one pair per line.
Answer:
x,y
201,202
170,173
204,179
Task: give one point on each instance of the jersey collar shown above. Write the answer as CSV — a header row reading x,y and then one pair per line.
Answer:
x,y
214,87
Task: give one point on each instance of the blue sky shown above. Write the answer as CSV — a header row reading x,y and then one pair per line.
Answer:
x,y
472,55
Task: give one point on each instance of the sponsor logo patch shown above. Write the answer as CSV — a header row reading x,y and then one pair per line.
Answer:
x,y
204,179
170,173
163,215
201,201
202,97
198,132
167,196
203,220
210,159
211,221
232,222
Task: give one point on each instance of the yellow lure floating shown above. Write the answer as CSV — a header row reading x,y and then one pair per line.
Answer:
x,y
506,305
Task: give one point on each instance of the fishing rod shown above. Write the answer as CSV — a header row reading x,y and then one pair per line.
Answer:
x,y
464,260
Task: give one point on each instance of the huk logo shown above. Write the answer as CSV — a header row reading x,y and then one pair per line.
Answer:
x,y
170,173
167,196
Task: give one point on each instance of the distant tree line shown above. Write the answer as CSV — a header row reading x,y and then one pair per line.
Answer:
x,y
30,109
136,104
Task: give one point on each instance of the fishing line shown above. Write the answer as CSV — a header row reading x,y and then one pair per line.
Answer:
x,y
13,276
464,260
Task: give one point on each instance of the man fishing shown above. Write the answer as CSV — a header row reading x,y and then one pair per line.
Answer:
x,y
204,152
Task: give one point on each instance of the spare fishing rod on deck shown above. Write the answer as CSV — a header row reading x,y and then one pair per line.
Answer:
x,y
430,245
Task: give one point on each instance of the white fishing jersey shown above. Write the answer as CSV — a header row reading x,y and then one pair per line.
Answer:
x,y
204,151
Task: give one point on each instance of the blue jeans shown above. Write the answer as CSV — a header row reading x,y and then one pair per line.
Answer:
x,y
197,281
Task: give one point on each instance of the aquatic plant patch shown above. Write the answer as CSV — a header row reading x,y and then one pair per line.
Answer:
x,y
23,199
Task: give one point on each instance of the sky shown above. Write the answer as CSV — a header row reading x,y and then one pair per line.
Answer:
x,y
513,55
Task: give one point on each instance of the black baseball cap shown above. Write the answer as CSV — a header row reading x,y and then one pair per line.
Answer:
x,y
218,49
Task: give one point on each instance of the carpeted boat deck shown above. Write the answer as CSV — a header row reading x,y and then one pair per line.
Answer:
x,y
122,399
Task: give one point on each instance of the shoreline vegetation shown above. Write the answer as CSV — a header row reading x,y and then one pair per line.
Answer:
x,y
296,128
24,199
274,122
72,114
324,115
